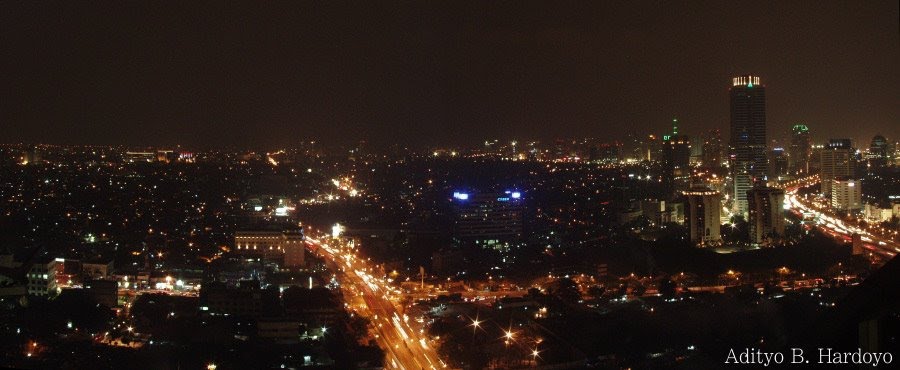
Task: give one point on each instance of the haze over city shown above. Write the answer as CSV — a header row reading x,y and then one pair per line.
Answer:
x,y
449,185
243,74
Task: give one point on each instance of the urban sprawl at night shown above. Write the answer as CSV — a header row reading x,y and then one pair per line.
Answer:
x,y
160,231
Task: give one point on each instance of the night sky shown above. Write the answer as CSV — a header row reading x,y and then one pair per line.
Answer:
x,y
248,74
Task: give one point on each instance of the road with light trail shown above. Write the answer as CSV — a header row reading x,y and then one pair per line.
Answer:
x,y
833,225
405,347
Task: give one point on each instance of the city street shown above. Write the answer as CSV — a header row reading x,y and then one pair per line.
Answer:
x,y
832,225
405,346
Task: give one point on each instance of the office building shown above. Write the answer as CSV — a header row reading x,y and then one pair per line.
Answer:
x,y
134,157
747,144
42,278
778,163
488,219
712,149
837,161
846,194
879,153
766,209
703,215
652,148
281,244
294,254
677,154
800,150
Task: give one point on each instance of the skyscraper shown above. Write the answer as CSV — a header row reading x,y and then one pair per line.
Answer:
x,y
837,161
747,144
778,163
704,207
801,150
766,214
712,149
878,153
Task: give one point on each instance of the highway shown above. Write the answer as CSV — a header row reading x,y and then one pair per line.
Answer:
x,y
833,225
404,342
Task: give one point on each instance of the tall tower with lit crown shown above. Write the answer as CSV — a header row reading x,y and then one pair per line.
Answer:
x,y
747,144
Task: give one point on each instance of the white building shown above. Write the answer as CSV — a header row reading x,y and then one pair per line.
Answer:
x,y
846,194
42,278
874,213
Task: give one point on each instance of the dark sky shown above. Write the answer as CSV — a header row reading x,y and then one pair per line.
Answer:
x,y
446,72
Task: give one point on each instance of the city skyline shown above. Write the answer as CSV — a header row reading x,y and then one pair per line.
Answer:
x,y
449,185
467,71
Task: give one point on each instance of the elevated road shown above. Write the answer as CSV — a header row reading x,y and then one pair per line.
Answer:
x,y
833,225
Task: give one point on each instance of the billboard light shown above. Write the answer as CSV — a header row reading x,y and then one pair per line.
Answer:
x,y
461,196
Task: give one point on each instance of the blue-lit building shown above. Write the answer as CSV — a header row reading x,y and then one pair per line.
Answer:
x,y
488,219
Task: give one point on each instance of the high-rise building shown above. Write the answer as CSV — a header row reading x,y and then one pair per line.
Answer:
x,y
676,159
633,147
652,148
800,150
815,159
703,213
676,155
712,149
696,150
879,152
846,194
837,161
778,163
747,144
488,219
766,214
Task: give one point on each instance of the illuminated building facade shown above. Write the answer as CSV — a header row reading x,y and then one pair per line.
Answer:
x,y
285,245
703,214
133,157
747,144
42,278
766,214
846,194
837,161
489,219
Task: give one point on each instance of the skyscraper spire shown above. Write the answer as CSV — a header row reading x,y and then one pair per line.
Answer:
x,y
674,126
